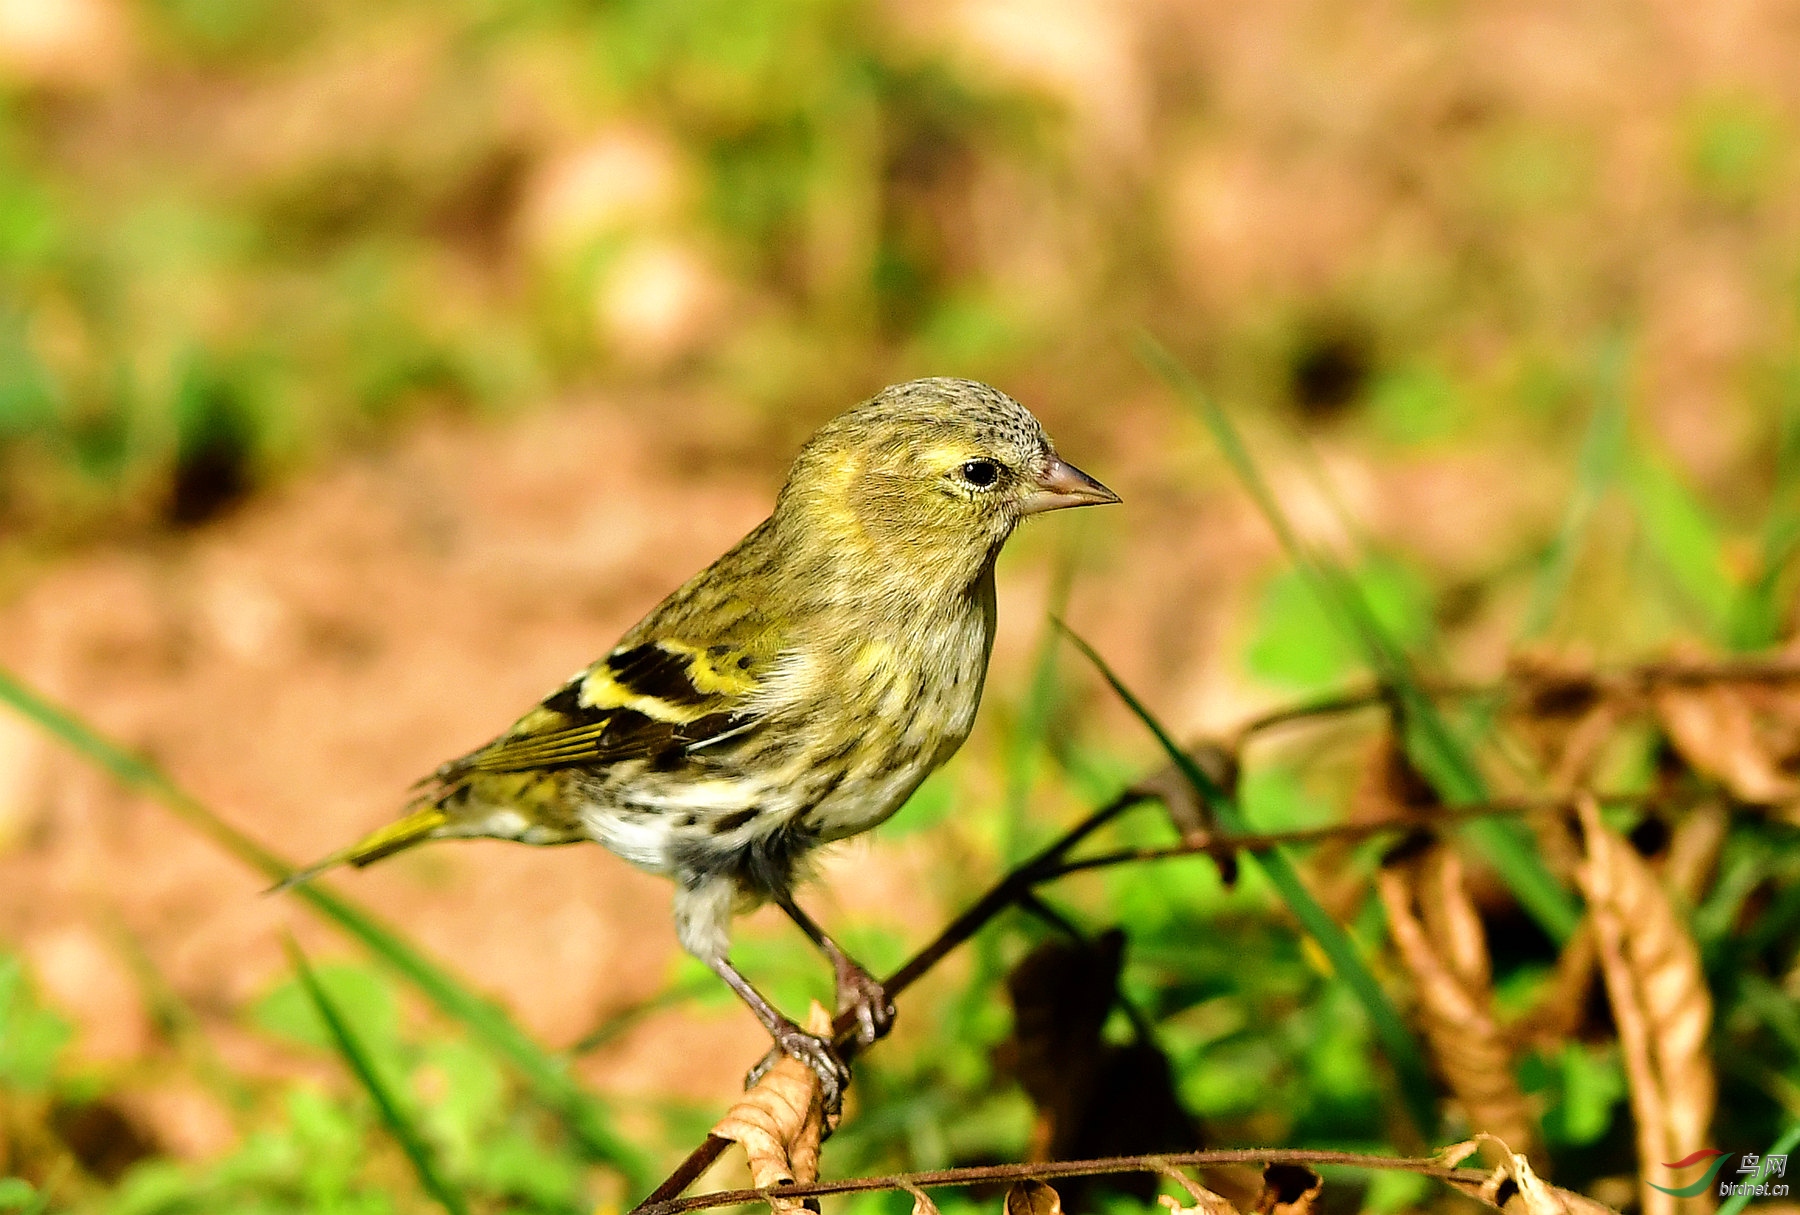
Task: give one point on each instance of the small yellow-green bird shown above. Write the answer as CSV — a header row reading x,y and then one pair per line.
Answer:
x,y
793,693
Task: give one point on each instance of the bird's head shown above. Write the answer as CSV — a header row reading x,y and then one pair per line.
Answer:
x,y
931,476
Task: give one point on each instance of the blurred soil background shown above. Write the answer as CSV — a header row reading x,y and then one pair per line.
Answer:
x,y
365,368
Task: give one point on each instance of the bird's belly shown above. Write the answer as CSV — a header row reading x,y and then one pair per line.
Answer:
x,y
662,822
653,820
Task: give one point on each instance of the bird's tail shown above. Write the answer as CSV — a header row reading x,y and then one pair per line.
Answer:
x,y
415,828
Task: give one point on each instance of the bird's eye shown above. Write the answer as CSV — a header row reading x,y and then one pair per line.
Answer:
x,y
981,473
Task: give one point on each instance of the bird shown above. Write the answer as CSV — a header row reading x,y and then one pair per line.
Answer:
x,y
792,694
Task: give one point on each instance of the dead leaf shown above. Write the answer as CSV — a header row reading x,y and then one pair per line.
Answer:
x,y
1566,715
1516,1189
922,1204
1390,787
1288,1189
1556,704
1456,1153
1553,687
1660,1004
1094,1098
1188,811
1714,727
1205,1202
1030,1197
1062,992
1694,850
1211,1204
1451,918
1440,941
781,1121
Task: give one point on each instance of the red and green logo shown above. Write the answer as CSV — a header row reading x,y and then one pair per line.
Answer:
x,y
1718,1159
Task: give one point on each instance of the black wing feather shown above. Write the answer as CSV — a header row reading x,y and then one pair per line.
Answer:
x,y
562,732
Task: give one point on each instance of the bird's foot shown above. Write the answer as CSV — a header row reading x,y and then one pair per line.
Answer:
x,y
817,1054
860,992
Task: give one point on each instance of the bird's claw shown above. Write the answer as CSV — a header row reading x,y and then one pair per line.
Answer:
x,y
860,992
817,1054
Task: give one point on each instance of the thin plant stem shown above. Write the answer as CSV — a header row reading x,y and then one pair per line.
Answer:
x,y
1052,1169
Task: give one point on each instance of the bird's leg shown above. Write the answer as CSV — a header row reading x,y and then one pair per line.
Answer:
x,y
790,1039
858,991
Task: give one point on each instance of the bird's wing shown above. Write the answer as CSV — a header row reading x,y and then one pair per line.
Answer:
x,y
654,700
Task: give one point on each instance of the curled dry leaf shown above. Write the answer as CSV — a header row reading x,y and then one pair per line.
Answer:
x,y
1192,817
780,1122
1566,715
1440,941
1456,1153
1390,787
1451,918
1714,728
1289,1189
1094,1097
1516,1189
1030,1197
1660,1004
1557,707
922,1204
1694,850
1205,1202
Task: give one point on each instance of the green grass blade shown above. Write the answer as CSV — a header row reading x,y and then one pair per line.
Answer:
x,y
1756,618
1773,1007
393,1116
1432,744
1686,538
1177,377
1397,1041
548,1076
1784,1146
1601,450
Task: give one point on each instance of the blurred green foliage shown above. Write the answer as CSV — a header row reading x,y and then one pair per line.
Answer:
x,y
180,320
1295,643
31,1036
307,1150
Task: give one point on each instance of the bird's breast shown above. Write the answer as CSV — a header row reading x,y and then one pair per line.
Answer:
x,y
910,699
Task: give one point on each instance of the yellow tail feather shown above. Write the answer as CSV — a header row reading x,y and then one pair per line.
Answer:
x,y
415,828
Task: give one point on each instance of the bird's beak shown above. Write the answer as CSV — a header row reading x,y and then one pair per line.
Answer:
x,y
1062,484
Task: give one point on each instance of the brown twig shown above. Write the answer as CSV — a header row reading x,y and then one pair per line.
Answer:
x,y
1658,674
1227,846
1374,696
1051,1169
1287,715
